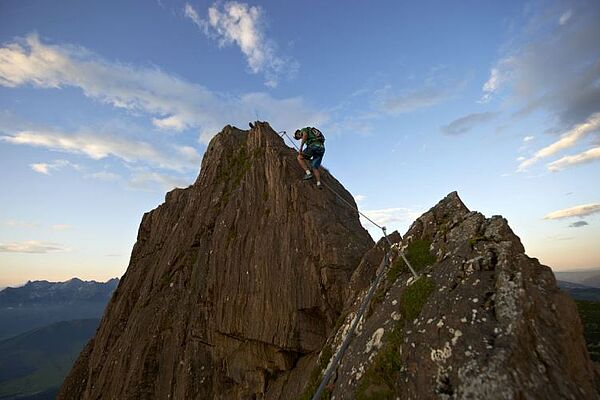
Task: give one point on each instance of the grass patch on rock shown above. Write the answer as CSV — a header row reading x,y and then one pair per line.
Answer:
x,y
415,296
380,379
418,255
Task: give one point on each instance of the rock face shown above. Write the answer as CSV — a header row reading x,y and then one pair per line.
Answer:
x,y
231,282
243,286
483,321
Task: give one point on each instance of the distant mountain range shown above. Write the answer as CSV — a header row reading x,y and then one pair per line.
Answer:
x,y
34,364
40,303
587,277
579,291
43,327
44,292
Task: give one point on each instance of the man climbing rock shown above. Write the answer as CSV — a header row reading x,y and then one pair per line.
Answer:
x,y
311,157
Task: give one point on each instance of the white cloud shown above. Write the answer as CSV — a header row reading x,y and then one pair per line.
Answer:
x,y
240,24
577,211
491,85
33,247
565,17
172,102
528,139
567,139
396,218
189,12
387,215
97,147
44,168
145,180
359,197
581,158
137,89
41,168
175,122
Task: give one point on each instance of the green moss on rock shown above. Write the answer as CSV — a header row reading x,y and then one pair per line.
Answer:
x,y
415,296
418,255
378,382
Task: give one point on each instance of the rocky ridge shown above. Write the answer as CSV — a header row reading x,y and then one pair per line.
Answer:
x,y
243,285
483,320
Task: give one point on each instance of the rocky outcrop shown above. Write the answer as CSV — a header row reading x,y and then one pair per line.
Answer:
x,y
483,321
231,283
244,285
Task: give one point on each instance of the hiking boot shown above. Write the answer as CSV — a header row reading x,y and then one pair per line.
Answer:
x,y
308,176
319,186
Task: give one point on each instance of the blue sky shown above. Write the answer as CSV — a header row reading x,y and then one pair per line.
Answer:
x,y
105,106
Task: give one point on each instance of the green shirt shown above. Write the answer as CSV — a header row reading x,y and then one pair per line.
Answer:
x,y
311,138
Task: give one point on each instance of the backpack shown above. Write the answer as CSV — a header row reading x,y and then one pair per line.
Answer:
x,y
317,135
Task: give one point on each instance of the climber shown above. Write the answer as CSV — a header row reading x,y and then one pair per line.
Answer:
x,y
315,148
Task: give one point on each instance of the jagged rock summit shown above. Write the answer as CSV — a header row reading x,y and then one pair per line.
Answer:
x,y
243,286
482,321
230,283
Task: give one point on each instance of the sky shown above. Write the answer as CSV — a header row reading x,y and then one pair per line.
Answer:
x,y
107,105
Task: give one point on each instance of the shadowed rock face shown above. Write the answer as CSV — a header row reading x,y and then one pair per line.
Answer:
x,y
236,285
484,321
231,282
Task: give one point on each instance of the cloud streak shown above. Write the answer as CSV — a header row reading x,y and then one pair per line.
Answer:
x,y
45,168
431,93
468,122
32,247
104,176
587,156
21,224
491,85
161,165
240,24
97,147
577,211
171,102
567,140
578,224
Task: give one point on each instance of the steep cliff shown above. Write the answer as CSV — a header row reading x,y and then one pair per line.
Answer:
x,y
230,283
